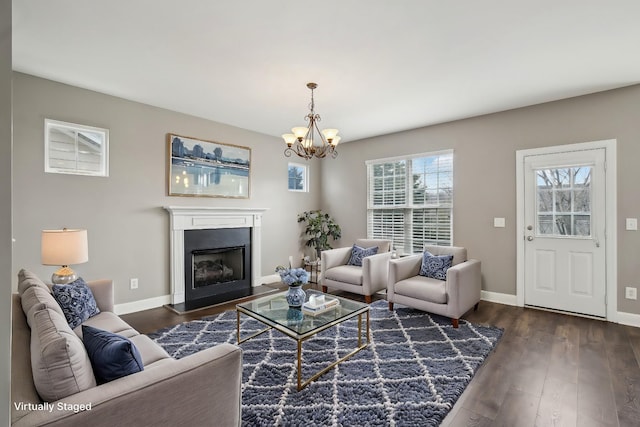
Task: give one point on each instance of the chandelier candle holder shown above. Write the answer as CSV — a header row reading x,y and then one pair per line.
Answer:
x,y
303,141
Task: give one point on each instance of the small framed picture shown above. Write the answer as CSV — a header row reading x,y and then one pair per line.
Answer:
x,y
202,168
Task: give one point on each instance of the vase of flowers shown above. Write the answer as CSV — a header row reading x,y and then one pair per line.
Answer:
x,y
294,278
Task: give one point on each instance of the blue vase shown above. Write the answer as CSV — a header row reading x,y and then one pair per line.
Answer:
x,y
295,295
295,316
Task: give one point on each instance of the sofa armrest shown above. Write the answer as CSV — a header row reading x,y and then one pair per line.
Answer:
x,y
464,286
201,389
401,269
333,258
375,272
103,293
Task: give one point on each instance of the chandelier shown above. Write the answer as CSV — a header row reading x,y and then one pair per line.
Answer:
x,y
303,141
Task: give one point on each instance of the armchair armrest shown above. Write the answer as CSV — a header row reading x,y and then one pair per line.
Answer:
x,y
401,269
102,291
375,272
405,267
162,395
464,285
334,257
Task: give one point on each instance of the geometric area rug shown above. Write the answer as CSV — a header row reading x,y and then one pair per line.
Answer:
x,y
411,374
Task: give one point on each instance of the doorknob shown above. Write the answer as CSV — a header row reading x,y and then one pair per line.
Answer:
x,y
529,238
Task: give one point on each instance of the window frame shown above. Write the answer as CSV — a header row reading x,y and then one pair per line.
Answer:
x,y
102,152
403,209
305,177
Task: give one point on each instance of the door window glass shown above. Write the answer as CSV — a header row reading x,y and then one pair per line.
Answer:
x,y
564,201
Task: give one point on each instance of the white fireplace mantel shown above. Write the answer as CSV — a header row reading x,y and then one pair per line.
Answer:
x,y
194,218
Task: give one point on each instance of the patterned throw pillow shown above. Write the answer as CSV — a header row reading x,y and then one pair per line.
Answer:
x,y
358,253
435,266
76,300
112,356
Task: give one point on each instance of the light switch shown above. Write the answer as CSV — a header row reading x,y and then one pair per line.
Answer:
x,y
632,224
498,222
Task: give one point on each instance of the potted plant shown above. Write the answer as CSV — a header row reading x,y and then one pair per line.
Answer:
x,y
319,226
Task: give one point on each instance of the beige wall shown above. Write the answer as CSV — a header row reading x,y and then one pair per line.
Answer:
x,y
127,227
484,176
5,209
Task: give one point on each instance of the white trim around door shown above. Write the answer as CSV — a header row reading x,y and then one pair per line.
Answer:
x,y
611,219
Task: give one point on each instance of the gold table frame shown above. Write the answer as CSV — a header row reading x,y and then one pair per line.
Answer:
x,y
301,337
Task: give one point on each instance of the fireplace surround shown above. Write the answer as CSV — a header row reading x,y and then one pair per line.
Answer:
x,y
183,219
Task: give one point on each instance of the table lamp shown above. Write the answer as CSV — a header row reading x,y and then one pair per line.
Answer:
x,y
64,247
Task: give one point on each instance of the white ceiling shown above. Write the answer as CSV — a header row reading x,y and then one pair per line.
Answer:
x,y
381,65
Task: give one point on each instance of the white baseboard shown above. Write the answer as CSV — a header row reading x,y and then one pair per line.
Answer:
x,y
267,279
149,303
629,319
498,297
145,304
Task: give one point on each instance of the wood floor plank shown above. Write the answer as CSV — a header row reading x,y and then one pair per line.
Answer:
x,y
518,409
558,404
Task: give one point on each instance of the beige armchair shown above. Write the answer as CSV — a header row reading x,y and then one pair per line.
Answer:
x,y
365,280
451,297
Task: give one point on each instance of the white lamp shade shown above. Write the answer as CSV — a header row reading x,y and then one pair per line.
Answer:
x,y
289,138
330,133
64,247
300,132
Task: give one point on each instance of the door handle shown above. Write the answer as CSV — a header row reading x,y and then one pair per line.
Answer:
x,y
529,238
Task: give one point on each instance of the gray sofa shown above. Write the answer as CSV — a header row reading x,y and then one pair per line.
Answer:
x,y
201,389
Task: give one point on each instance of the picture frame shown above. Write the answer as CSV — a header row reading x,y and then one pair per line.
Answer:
x,y
202,168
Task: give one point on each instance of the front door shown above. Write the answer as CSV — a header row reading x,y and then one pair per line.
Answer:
x,y
564,220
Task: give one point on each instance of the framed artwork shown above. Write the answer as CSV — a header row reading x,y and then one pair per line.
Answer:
x,y
202,168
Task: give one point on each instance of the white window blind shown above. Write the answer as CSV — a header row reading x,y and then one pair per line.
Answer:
x,y
76,149
410,200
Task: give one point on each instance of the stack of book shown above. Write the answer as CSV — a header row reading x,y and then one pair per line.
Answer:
x,y
318,304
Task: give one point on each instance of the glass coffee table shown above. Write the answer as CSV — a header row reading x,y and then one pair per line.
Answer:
x,y
275,313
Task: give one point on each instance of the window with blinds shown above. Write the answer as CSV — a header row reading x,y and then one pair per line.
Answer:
x,y
410,200
76,149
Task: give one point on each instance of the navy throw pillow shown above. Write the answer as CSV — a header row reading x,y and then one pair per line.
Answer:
x,y
76,300
435,266
358,253
112,356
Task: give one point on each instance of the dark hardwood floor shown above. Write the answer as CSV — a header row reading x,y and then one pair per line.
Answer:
x,y
549,369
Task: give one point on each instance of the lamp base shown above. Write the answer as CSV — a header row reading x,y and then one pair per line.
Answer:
x,y
63,276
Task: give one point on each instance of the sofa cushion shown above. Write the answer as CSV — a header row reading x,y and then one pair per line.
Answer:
x,y
76,300
345,273
435,266
358,253
459,253
108,321
35,295
27,279
149,350
112,356
59,361
383,245
423,288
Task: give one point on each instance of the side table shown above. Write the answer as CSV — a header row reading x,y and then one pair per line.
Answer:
x,y
313,267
